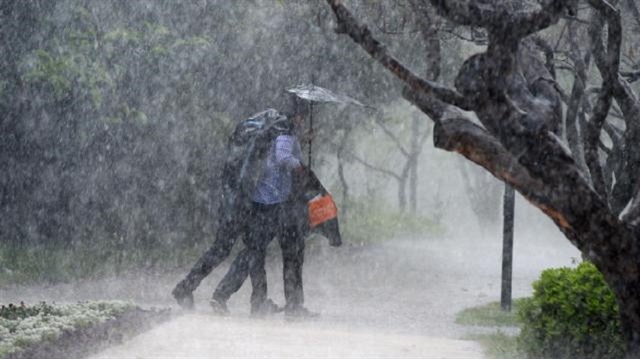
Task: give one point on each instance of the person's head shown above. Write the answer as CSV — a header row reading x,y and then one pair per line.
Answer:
x,y
296,109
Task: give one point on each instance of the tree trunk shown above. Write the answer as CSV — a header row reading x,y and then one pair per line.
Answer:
x,y
628,298
344,208
413,171
402,193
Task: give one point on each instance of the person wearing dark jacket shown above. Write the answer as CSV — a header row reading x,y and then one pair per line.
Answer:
x,y
276,211
273,211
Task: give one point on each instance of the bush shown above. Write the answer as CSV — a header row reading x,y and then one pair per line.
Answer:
x,y
22,326
572,314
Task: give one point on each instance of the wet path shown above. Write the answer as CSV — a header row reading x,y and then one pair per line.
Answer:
x,y
391,299
199,335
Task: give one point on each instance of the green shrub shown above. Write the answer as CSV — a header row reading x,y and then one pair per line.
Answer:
x,y
572,314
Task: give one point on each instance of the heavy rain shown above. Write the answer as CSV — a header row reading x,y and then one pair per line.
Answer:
x,y
319,179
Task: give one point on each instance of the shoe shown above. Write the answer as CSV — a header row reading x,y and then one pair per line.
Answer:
x,y
268,307
299,312
219,307
183,297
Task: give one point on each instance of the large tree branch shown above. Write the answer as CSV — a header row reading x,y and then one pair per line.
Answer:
x,y
362,36
498,16
476,144
570,202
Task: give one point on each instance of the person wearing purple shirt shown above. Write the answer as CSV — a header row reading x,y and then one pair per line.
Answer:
x,y
274,185
275,212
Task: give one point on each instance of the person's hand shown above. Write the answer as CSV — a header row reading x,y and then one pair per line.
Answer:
x,y
300,176
300,171
308,136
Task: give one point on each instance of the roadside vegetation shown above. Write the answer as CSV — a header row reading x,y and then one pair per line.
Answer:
x,y
502,342
373,220
572,314
369,221
28,331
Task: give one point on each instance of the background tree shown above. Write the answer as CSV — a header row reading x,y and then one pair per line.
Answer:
x,y
115,116
407,174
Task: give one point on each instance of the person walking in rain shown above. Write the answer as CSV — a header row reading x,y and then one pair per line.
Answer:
x,y
275,210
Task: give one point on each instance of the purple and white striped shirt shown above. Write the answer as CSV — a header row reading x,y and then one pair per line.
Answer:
x,y
274,185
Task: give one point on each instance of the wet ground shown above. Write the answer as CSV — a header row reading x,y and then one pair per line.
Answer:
x,y
397,298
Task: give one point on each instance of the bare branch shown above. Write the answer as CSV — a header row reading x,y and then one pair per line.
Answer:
x,y
631,76
391,135
374,167
574,104
423,138
608,63
362,36
614,132
636,13
632,216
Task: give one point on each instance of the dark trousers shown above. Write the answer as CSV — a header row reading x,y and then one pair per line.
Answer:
x,y
226,236
265,223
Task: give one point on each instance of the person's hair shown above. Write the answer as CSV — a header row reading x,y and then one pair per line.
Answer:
x,y
293,105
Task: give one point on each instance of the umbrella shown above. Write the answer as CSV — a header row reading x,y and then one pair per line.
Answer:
x,y
313,93
318,94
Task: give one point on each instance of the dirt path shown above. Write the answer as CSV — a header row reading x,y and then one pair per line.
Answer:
x,y
391,299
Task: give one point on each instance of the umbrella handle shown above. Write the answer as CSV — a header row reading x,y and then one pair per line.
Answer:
x,y
311,130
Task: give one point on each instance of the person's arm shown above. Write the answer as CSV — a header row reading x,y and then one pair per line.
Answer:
x,y
284,152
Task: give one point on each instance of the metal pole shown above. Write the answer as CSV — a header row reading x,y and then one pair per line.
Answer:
x,y
507,247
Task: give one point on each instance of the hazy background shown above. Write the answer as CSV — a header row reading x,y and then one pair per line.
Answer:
x,y
115,116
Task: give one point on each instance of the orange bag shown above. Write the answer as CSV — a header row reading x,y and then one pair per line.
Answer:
x,y
321,209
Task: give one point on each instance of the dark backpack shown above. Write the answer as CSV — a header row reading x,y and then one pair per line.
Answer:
x,y
247,147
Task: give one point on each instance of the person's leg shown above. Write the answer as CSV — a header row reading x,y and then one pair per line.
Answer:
x,y
216,254
260,305
292,243
250,260
258,279
232,281
292,246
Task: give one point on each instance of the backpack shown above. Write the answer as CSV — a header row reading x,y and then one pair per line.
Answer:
x,y
246,149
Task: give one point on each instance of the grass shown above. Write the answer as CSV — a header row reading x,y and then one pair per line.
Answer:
x,y
55,263
376,221
490,315
499,344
